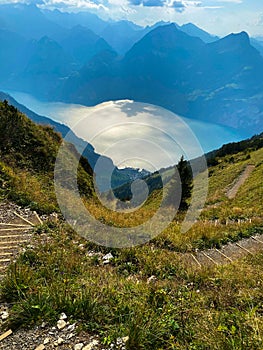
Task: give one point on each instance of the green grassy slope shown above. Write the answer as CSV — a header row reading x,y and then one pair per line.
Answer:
x,y
28,154
184,307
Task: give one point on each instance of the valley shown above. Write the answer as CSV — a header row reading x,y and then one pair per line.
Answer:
x,y
131,162
212,273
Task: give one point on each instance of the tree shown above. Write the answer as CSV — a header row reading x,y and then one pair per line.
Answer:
x,y
186,177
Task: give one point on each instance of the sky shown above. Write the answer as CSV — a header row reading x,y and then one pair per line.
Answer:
x,y
219,17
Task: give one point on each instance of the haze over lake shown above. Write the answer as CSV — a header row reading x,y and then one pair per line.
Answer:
x,y
124,129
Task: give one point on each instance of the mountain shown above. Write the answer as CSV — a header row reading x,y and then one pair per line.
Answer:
x,y
62,129
28,21
193,30
71,19
82,44
46,66
28,155
252,144
119,176
257,45
122,35
220,82
13,56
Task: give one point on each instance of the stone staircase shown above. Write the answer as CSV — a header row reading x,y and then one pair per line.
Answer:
x,y
16,225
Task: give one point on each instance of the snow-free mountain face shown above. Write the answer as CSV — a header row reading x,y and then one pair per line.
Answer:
x,y
82,44
220,82
83,59
193,30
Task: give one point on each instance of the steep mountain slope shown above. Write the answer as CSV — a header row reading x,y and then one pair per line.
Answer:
x,y
64,130
82,44
71,19
220,82
122,35
119,176
193,30
13,56
257,45
47,65
28,21
28,154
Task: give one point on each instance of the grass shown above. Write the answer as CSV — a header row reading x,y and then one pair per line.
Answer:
x,y
28,154
185,308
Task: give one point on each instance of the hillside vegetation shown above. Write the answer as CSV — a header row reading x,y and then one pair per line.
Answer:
x,y
150,293
28,154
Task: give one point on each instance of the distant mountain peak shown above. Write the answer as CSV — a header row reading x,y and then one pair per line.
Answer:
x,y
238,37
194,30
233,42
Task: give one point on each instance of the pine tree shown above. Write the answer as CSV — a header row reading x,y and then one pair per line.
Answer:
x,y
186,177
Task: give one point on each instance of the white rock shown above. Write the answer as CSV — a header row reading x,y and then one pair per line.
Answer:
x,y
78,346
63,316
108,256
4,315
46,341
71,327
151,279
125,339
61,324
40,347
59,341
91,345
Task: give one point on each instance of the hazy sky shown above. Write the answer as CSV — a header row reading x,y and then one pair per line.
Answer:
x,y
216,16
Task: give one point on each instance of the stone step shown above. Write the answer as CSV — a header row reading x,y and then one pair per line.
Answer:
x,y
9,247
14,236
5,254
8,232
4,261
14,245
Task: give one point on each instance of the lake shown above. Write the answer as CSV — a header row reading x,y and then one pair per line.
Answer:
x,y
135,134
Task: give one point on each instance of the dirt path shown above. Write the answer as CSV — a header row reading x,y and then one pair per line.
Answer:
x,y
231,193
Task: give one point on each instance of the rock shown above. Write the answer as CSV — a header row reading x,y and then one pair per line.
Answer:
x,y
46,341
121,342
91,345
63,316
78,346
71,327
40,347
106,258
59,341
4,315
151,279
61,324
125,339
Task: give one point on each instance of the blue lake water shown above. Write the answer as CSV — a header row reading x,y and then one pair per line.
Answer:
x,y
135,134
